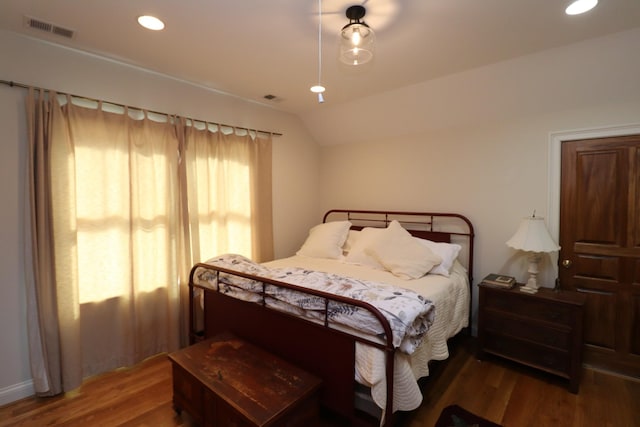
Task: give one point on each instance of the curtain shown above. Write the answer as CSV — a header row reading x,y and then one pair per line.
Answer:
x,y
229,192
115,231
226,196
41,296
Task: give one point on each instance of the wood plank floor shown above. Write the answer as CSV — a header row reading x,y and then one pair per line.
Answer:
x,y
499,391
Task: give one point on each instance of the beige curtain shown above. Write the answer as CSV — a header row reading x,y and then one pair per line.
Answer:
x,y
261,198
228,187
121,207
40,281
229,193
115,199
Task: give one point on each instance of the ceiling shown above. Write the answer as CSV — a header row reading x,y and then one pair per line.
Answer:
x,y
252,48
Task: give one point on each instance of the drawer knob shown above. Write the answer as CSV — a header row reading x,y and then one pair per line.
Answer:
x,y
567,263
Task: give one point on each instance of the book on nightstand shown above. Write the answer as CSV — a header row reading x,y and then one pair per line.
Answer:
x,y
499,281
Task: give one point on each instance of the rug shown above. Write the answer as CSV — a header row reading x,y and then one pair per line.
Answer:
x,y
455,416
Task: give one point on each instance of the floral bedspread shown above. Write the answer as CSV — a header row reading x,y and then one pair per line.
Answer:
x,y
409,314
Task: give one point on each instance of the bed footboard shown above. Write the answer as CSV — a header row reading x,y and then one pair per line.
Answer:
x,y
316,347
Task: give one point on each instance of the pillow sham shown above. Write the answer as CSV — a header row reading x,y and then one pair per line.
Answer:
x,y
401,254
357,253
325,240
447,251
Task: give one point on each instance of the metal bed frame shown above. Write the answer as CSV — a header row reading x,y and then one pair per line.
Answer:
x,y
317,347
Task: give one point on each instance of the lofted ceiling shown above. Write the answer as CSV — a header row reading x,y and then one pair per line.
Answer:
x,y
253,48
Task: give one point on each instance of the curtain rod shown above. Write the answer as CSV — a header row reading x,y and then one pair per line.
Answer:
x,y
25,86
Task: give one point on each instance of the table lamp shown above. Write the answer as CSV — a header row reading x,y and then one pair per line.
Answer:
x,y
532,236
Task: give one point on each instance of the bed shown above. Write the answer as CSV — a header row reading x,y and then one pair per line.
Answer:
x,y
298,309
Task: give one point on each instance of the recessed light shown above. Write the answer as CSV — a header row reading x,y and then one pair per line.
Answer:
x,y
580,6
150,22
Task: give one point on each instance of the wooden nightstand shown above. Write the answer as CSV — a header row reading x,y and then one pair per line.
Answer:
x,y
542,330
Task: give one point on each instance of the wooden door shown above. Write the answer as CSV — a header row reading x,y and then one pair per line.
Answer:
x,y
600,240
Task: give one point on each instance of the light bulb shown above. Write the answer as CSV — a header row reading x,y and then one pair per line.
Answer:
x,y
317,89
356,37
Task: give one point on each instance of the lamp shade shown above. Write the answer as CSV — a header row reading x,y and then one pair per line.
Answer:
x,y
532,236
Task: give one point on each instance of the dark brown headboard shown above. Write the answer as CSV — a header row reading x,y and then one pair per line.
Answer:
x,y
438,227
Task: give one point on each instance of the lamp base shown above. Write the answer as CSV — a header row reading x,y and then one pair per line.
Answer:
x,y
532,284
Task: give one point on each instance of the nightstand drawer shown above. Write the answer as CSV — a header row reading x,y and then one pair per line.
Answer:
x,y
525,329
528,353
545,311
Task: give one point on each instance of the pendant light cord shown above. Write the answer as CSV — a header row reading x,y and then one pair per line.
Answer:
x,y
320,43
319,89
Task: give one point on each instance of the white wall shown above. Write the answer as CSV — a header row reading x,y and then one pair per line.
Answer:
x,y
295,162
583,75
478,142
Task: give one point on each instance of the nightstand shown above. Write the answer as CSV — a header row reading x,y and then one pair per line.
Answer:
x,y
541,330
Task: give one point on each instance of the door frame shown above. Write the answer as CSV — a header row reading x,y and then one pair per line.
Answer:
x,y
553,171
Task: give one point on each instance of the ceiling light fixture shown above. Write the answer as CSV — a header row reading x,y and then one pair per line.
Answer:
x,y
319,89
580,6
150,22
356,38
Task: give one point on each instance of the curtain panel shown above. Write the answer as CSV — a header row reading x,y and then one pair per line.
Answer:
x,y
234,215
121,207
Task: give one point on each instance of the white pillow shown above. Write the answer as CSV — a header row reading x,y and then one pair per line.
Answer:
x,y
447,251
357,253
326,240
401,254
351,240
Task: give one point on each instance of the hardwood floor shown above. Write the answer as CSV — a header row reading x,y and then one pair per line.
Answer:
x,y
140,396
515,396
499,391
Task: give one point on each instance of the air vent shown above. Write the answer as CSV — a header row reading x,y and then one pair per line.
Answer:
x,y
272,98
48,27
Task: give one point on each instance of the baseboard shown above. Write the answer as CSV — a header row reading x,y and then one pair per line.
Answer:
x,y
16,392
623,375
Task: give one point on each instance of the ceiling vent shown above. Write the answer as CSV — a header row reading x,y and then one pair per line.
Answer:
x,y
48,27
273,98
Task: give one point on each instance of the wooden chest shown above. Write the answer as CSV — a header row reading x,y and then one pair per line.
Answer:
x,y
227,382
543,330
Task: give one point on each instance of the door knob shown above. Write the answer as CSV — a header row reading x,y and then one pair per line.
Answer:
x,y
567,263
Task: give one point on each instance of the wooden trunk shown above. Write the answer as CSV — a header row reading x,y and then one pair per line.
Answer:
x,y
225,382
